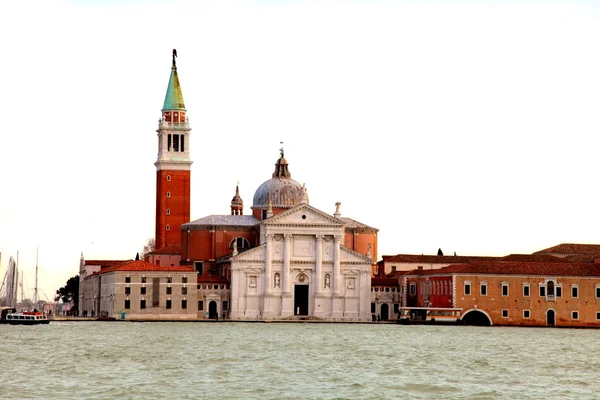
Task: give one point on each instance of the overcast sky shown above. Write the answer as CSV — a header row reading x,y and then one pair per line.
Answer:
x,y
467,126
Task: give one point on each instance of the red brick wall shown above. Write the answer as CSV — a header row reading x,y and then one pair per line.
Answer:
x,y
178,203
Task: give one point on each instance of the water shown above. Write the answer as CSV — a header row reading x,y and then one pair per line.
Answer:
x,y
128,360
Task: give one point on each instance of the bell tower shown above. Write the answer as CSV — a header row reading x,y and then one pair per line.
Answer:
x,y
173,166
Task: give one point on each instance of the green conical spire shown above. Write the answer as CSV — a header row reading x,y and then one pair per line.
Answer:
x,y
174,97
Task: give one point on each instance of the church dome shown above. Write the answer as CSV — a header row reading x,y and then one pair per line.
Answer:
x,y
281,191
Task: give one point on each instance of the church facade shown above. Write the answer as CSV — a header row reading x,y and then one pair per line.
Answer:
x,y
286,260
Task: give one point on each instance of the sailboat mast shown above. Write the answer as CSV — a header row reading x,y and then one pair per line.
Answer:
x,y
35,290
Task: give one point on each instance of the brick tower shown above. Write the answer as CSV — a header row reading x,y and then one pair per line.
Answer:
x,y
173,166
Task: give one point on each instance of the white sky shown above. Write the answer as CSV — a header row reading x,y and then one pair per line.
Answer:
x,y
467,126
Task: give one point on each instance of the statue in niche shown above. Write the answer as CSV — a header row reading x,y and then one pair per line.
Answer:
x,y
277,280
302,278
350,284
327,281
252,282
369,250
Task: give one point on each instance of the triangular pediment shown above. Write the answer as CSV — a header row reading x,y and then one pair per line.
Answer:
x,y
255,254
304,215
351,257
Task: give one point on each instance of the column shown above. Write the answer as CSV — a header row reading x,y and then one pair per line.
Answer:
x,y
337,311
318,278
287,278
287,300
268,259
234,291
336,264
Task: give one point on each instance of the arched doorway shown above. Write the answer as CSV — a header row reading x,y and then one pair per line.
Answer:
x,y
385,311
550,318
212,309
476,318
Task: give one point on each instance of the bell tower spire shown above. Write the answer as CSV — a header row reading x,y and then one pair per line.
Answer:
x,y
173,165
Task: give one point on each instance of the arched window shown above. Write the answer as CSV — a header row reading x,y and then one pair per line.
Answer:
x,y
241,243
550,288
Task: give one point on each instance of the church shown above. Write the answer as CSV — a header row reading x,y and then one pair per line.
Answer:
x,y
286,260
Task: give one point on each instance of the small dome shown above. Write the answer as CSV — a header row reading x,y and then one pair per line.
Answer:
x,y
281,190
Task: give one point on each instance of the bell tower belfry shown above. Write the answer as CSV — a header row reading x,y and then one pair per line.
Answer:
x,y
173,166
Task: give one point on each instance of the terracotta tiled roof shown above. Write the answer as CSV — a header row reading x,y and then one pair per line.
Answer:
x,y
105,263
517,268
384,282
140,265
532,258
572,249
172,249
212,279
426,259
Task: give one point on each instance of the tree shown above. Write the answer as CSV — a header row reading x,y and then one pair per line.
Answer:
x,y
149,247
69,292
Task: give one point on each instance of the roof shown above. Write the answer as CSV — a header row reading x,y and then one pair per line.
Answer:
x,y
427,259
105,263
516,268
532,258
350,223
384,282
171,249
140,265
572,249
174,97
222,220
212,279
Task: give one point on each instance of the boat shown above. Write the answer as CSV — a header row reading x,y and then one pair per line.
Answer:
x,y
9,315
429,315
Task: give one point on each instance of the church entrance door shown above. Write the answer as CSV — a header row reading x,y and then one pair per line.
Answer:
x,y
385,310
212,309
300,299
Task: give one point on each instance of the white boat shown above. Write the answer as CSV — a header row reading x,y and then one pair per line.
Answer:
x,y
9,315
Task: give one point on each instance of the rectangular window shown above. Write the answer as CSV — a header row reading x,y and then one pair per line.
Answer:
x,y
184,279
575,315
175,142
467,289
169,290
526,291
505,289
393,268
127,279
184,290
225,305
413,289
559,291
504,313
182,142
183,304
200,305
169,142
127,304
542,291
372,307
597,316
155,292
143,304
396,308
484,289
199,266
598,292
143,280
574,292
526,314
169,304
169,280
127,290
143,290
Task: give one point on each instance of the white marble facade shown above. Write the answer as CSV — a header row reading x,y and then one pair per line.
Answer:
x,y
301,269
